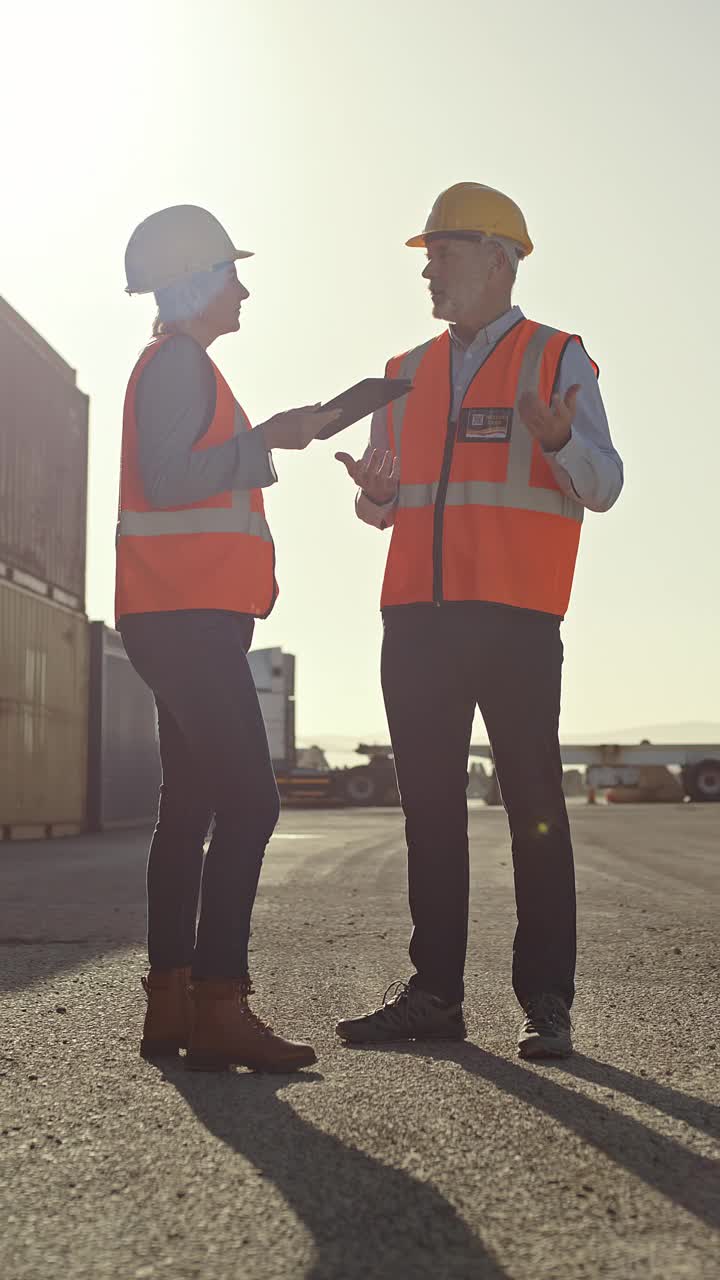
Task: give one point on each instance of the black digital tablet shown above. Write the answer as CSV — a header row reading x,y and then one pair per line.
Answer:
x,y
364,398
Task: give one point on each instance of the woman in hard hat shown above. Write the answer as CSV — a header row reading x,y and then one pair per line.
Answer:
x,y
195,567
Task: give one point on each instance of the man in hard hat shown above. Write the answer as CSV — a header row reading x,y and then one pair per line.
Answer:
x,y
483,472
195,568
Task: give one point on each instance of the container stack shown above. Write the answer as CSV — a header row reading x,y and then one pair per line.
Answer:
x,y
43,629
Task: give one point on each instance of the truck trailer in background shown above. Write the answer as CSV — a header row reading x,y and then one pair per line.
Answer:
x,y
273,673
641,772
368,784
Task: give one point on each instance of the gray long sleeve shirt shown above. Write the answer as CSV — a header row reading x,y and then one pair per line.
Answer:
x,y
588,468
174,406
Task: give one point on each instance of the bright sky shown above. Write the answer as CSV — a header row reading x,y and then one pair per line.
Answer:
x,y
320,133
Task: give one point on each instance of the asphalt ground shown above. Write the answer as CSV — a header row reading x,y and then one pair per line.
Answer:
x,y
444,1161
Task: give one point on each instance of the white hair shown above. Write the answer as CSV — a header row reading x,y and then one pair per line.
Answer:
x,y
513,251
188,298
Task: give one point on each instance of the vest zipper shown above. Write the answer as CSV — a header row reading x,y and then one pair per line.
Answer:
x,y
439,510
445,470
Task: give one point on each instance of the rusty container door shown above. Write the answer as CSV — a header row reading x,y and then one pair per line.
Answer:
x,y
43,716
43,466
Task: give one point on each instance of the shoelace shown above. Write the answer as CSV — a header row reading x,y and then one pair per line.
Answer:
x,y
395,992
396,1004
246,990
546,1013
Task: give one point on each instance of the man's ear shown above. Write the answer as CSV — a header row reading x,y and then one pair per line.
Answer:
x,y
497,257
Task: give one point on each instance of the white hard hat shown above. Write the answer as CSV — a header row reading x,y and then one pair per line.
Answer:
x,y
174,243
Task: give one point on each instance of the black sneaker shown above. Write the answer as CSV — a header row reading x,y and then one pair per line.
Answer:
x,y
546,1031
407,1013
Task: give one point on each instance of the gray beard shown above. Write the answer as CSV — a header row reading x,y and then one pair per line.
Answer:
x,y
445,311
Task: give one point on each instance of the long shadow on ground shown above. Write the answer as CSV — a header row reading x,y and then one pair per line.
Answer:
x,y
366,1220
689,1180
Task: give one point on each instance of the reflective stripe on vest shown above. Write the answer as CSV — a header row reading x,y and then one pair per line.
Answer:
x,y
488,493
479,519
516,490
235,519
238,517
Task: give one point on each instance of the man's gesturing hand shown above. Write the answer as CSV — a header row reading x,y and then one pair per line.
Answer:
x,y
378,477
550,425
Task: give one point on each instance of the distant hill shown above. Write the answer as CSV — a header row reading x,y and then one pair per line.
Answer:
x,y
688,731
340,749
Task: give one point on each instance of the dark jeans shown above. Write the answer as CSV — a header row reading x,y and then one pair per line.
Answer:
x,y
215,761
438,663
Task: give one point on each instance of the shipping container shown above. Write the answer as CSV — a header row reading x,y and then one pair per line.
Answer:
x,y
43,716
43,466
123,755
274,675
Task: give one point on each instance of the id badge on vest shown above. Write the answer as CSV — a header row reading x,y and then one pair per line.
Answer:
x,y
485,426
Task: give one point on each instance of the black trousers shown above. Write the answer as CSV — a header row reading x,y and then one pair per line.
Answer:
x,y
438,664
215,762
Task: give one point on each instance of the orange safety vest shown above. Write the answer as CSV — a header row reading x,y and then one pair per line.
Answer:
x,y
216,554
480,515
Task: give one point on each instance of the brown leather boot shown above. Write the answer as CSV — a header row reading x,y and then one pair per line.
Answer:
x,y
167,1019
225,1032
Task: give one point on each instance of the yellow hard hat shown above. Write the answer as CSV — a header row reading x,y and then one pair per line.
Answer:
x,y
470,207
173,243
